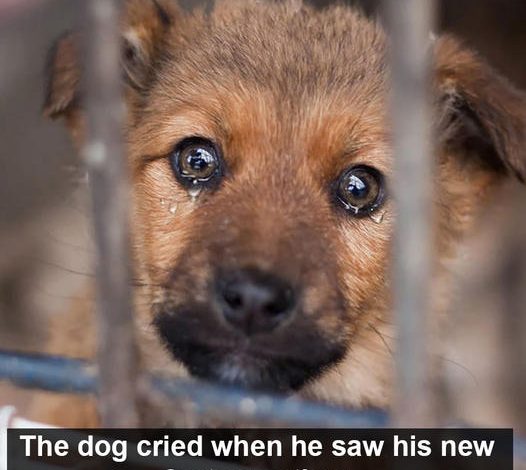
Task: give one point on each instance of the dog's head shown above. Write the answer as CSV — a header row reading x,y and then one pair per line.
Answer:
x,y
261,166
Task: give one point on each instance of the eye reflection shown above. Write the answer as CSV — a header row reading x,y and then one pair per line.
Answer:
x,y
357,187
196,161
360,190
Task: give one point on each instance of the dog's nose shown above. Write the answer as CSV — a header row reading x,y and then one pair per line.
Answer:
x,y
254,301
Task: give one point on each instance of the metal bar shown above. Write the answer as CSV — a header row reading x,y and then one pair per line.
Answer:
x,y
58,374
409,24
74,376
50,373
117,357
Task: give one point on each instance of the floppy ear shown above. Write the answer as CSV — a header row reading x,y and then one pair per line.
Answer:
x,y
144,28
481,113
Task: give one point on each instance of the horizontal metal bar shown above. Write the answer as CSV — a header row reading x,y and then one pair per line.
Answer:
x,y
266,408
50,373
58,374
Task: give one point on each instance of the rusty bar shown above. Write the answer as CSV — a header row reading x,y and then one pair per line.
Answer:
x,y
104,156
409,24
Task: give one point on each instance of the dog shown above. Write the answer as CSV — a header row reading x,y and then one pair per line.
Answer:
x,y
259,152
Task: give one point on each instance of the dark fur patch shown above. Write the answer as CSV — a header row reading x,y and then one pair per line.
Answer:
x,y
210,351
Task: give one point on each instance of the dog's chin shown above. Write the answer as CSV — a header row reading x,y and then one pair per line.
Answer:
x,y
281,361
273,363
247,370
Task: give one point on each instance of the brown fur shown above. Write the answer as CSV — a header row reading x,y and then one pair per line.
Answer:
x,y
293,96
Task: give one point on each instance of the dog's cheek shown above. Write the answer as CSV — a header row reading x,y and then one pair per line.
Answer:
x,y
364,260
162,232
163,216
324,304
363,376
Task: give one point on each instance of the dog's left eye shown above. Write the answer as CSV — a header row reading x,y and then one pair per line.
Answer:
x,y
360,190
196,161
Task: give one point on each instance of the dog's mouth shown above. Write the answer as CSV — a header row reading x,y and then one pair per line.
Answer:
x,y
279,362
247,368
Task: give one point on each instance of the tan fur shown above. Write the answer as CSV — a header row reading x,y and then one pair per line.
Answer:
x,y
294,96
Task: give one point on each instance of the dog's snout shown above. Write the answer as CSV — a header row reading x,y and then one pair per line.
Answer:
x,y
254,301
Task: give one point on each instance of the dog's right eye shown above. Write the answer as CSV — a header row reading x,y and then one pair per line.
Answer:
x,y
360,190
196,161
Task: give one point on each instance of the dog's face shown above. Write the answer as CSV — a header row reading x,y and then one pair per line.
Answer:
x,y
261,169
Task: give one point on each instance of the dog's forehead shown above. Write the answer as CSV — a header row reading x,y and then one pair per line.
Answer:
x,y
292,51
273,44
271,72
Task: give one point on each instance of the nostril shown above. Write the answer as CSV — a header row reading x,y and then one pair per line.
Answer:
x,y
233,298
281,303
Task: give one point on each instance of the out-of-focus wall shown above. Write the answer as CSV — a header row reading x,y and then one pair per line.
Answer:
x,y
32,148
35,154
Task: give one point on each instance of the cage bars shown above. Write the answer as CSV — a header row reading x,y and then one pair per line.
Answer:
x,y
57,374
410,23
104,155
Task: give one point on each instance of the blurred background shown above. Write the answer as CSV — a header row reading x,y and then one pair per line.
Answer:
x,y
45,244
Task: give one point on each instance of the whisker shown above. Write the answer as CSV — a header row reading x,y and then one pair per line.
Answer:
x,y
60,241
461,367
62,268
134,282
372,327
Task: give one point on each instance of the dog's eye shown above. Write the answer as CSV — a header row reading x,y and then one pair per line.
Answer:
x,y
196,161
360,190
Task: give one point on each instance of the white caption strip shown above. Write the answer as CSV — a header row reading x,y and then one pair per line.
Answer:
x,y
9,419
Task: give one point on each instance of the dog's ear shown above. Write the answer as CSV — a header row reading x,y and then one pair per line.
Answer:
x,y
481,113
144,27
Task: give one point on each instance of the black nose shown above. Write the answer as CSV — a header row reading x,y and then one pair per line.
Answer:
x,y
254,301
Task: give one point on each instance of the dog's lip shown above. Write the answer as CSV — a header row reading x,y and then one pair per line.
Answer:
x,y
240,346
243,348
282,360
263,346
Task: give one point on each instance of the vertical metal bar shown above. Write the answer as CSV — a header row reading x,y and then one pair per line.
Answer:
x,y
409,24
108,179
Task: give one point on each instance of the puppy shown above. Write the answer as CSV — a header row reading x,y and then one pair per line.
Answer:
x,y
260,162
